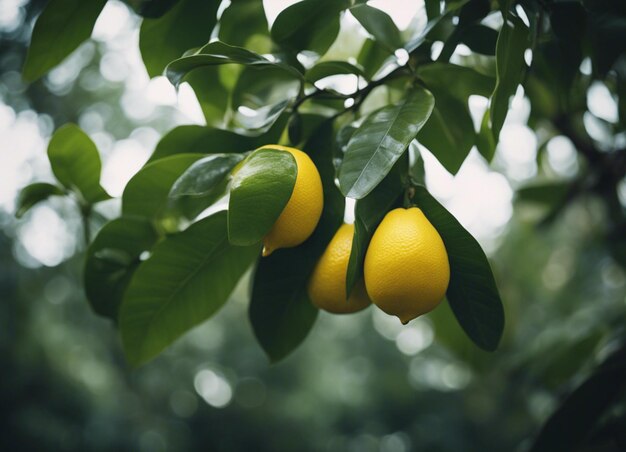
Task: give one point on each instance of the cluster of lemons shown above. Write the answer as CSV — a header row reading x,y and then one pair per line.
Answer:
x,y
406,269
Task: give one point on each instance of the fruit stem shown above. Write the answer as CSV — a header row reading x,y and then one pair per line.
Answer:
x,y
409,194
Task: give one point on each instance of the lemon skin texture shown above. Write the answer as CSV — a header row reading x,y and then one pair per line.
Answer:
x,y
300,216
406,265
327,285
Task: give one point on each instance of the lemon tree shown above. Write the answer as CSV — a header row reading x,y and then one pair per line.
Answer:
x,y
296,123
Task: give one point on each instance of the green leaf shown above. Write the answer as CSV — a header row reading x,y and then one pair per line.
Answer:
x,y
433,8
33,194
371,57
458,81
112,258
485,142
308,25
213,96
76,163
510,65
480,39
261,95
217,53
206,177
472,292
368,213
379,25
328,68
188,277
242,20
60,29
187,25
152,8
548,193
146,194
572,422
449,132
260,191
210,140
280,311
380,141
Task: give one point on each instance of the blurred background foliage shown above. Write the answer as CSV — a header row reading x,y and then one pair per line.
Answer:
x,y
358,383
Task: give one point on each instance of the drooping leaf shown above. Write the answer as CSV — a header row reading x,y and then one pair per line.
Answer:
x,y
485,143
146,194
210,140
217,53
76,163
205,177
449,132
368,213
328,68
112,258
261,95
33,194
280,311
60,29
188,277
510,48
187,25
260,191
472,292
458,81
572,422
308,25
379,25
380,141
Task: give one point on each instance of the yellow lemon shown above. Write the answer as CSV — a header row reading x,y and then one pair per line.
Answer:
x,y
303,210
327,286
406,265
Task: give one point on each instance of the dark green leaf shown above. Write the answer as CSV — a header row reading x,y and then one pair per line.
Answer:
x,y
261,95
380,141
329,68
433,8
485,142
33,194
572,422
205,177
60,29
472,292
379,25
368,214
146,194
449,132
280,311
260,191
187,25
242,20
217,53
480,39
512,43
112,258
76,163
188,277
308,25
212,94
458,81
209,140
152,8
371,57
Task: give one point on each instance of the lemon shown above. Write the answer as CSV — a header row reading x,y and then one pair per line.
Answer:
x,y
303,210
327,285
406,265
